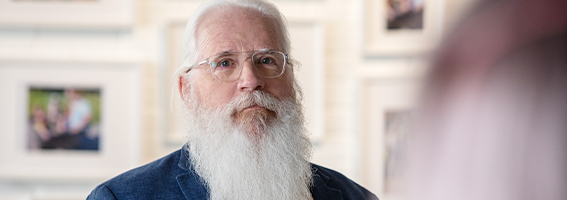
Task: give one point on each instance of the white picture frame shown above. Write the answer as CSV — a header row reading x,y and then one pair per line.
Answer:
x,y
308,48
68,13
120,116
380,97
307,41
383,42
171,120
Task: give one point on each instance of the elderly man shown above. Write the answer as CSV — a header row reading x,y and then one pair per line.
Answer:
x,y
246,135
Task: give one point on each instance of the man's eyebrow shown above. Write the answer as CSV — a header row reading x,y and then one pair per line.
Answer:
x,y
225,52
230,52
264,50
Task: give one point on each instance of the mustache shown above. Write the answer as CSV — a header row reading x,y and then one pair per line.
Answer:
x,y
255,98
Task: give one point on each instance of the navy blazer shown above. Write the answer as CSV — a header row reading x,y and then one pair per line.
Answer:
x,y
172,177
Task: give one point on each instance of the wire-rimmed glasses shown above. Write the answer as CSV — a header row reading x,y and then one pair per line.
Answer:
x,y
227,66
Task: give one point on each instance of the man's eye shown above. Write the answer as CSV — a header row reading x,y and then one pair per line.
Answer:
x,y
225,63
266,61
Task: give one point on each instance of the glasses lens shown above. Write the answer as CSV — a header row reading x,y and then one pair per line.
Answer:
x,y
269,64
225,67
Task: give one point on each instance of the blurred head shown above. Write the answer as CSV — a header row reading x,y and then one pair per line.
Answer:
x,y
492,123
247,129
72,94
38,113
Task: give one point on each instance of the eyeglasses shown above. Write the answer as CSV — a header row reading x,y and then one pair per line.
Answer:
x,y
227,66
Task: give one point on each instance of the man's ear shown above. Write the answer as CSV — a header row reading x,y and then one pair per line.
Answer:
x,y
183,83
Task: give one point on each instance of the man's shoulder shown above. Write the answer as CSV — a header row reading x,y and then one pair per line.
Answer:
x,y
348,188
165,166
155,178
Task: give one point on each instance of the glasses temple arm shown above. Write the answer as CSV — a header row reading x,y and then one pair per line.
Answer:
x,y
196,65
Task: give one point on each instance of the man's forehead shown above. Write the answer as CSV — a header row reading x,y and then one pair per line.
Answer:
x,y
226,19
232,52
235,14
237,30
213,50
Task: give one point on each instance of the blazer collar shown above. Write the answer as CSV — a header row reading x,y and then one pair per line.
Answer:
x,y
190,183
320,188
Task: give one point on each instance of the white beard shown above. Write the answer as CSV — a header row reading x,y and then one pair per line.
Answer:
x,y
264,158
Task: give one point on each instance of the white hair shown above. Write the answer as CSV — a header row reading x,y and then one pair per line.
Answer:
x,y
189,48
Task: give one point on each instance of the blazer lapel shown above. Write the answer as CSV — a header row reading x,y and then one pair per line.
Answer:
x,y
320,190
191,186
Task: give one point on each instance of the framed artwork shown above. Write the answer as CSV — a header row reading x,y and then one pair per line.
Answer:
x,y
402,27
171,102
386,118
397,125
308,48
307,41
68,120
63,118
67,13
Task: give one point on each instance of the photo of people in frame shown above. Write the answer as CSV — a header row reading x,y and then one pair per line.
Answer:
x,y
405,14
63,118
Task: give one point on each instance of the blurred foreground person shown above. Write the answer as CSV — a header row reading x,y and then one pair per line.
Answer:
x,y
494,121
244,123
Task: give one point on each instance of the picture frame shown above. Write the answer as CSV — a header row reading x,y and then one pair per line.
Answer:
x,y
387,106
307,40
170,103
119,94
63,118
67,13
308,49
384,36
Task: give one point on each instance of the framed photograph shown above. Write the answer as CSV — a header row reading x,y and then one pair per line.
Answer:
x,y
402,27
386,118
308,48
63,118
307,41
67,13
172,125
68,120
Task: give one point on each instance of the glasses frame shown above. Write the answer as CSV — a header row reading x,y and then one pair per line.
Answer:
x,y
207,61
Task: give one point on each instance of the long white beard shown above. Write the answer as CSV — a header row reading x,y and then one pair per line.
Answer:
x,y
264,158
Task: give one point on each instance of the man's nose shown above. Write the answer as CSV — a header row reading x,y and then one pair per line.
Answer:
x,y
249,78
